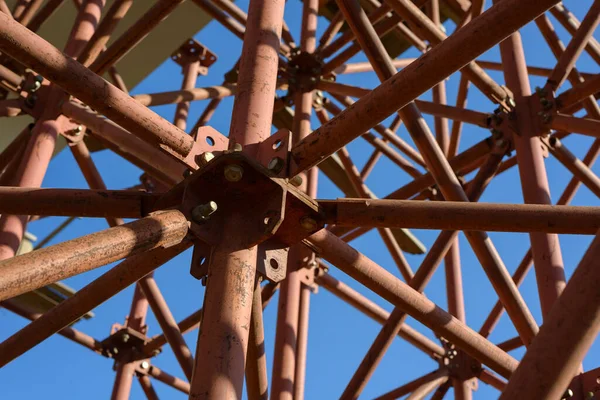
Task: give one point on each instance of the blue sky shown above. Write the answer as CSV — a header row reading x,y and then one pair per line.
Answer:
x,y
339,336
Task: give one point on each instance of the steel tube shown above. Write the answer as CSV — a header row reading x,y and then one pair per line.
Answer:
x,y
185,95
36,269
548,262
169,380
42,16
578,92
422,391
15,148
68,332
67,73
413,385
435,65
572,24
168,324
147,387
555,355
76,202
491,379
302,342
221,350
92,295
401,295
466,216
581,171
257,382
511,344
10,108
190,75
585,126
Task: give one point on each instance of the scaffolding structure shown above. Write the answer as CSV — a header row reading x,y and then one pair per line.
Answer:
x,y
193,185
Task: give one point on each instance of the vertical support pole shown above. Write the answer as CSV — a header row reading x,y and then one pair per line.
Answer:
x,y
223,338
547,257
286,335
456,307
302,343
190,75
137,321
439,90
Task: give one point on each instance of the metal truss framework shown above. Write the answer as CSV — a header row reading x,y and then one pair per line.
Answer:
x,y
192,183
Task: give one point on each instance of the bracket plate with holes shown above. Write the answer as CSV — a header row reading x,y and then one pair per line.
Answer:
x,y
460,365
124,345
233,184
192,51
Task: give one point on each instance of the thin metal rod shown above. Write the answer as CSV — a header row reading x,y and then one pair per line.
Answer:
x,y
169,380
190,75
578,92
86,299
147,387
68,332
413,385
302,343
54,233
168,324
39,268
257,382
186,94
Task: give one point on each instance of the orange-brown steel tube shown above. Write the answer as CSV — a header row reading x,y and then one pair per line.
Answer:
x,y
44,266
75,202
257,382
185,95
92,295
413,385
168,379
456,215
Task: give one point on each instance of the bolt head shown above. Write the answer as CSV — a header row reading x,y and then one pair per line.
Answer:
x,y
77,130
237,147
203,212
308,223
276,164
206,157
125,338
296,181
145,365
234,172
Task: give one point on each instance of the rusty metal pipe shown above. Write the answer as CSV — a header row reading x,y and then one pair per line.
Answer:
x,y
68,332
584,126
36,269
169,380
190,75
257,382
92,295
413,385
466,216
147,387
185,95
76,202
168,324
578,93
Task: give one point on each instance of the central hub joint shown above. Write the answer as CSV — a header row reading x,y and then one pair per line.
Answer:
x,y
304,70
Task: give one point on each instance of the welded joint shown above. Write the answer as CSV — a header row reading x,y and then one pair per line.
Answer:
x,y
585,386
304,70
125,344
192,51
308,271
459,364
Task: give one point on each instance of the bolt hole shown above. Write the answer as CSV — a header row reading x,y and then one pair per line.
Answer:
x,y
203,261
598,380
273,263
210,141
267,220
277,144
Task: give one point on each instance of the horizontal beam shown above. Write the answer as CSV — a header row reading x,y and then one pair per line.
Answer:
x,y
450,215
179,96
51,264
75,202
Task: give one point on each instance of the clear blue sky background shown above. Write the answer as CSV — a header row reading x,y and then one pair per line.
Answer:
x,y
339,336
